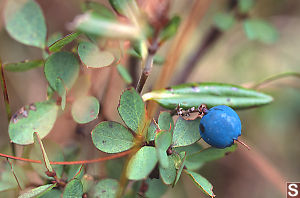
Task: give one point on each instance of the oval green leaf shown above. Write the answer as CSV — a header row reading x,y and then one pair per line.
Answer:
x,y
53,193
168,174
62,65
37,191
85,109
124,74
245,5
163,140
165,121
186,132
132,109
38,117
260,30
170,29
156,188
201,182
24,21
224,21
59,44
99,9
106,188
112,137
142,163
73,189
23,66
212,94
91,56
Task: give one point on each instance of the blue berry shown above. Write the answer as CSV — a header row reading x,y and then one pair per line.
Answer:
x,y
220,126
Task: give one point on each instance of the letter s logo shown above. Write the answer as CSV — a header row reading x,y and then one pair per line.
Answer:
x,y
293,190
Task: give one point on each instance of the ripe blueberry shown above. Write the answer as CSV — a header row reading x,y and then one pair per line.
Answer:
x,y
220,126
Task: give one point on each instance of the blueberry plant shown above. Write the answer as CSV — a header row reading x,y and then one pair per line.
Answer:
x,y
158,149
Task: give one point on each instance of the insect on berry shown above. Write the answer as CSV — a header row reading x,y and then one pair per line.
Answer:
x,y
220,127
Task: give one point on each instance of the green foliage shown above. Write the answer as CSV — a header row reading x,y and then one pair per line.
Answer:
x,y
37,117
212,94
37,191
91,56
8,181
53,193
119,5
260,30
168,174
24,21
98,8
245,5
124,74
179,162
165,121
155,188
140,47
163,140
106,188
73,189
224,21
151,132
59,44
112,137
23,66
132,109
85,109
170,29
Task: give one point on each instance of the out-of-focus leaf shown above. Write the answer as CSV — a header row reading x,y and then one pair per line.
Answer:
x,y
91,56
156,188
24,21
87,182
168,174
140,48
99,9
260,30
38,145
142,163
119,6
201,182
23,66
245,5
212,94
53,193
8,181
37,117
73,189
106,188
85,109
170,29
37,191
224,21
112,137
124,74
58,45
53,38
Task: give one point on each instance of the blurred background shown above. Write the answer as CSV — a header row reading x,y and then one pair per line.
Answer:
x,y
271,131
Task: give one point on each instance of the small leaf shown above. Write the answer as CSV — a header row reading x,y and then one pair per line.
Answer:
x,y
87,182
170,29
163,140
118,6
182,156
23,66
99,9
53,193
142,163
224,21
190,150
37,191
140,47
168,174
151,133
197,159
37,117
165,121
158,60
91,56
73,189
39,145
24,21
132,109
75,171
245,5
201,182
112,137
62,92
85,109
260,30
53,38
59,44
106,188
212,94
156,188
124,74
94,24
62,65
186,132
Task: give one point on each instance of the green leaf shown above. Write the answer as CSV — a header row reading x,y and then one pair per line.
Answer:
x,y
59,44
62,65
94,24
182,156
114,168
54,153
140,47
197,159
87,182
151,133
37,117
142,163
119,6
163,140
53,38
156,188
85,109
24,21
37,191
23,66
201,182
124,74
186,132
260,30
73,189
190,150
212,94
168,174
53,193
245,5
99,9
38,145
158,60
8,180
224,21
91,56
62,91
106,188
75,171
170,29
132,109
165,121
112,137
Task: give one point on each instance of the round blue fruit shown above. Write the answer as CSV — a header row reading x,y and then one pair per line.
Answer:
x,y
220,126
